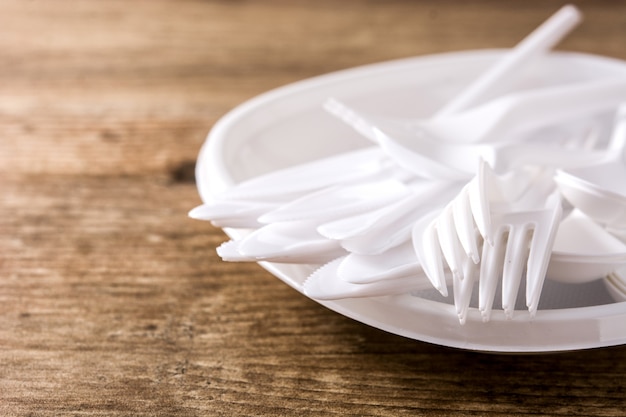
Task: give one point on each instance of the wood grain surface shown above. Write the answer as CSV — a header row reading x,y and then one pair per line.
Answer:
x,y
113,302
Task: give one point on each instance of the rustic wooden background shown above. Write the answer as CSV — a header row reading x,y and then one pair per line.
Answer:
x,y
113,302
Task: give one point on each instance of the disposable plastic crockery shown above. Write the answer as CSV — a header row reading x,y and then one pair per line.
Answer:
x,y
287,127
287,242
599,189
376,231
507,246
427,156
503,72
505,116
396,262
583,251
324,285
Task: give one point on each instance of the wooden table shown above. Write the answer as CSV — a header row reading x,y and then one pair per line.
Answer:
x,y
113,302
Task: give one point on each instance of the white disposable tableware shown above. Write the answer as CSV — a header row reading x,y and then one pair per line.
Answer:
x,y
242,214
294,181
428,157
504,71
324,285
346,166
288,242
243,206
291,232
501,118
374,232
513,234
239,147
599,189
584,251
396,262
339,201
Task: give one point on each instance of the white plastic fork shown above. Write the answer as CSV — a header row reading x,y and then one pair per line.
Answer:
x,y
528,237
486,235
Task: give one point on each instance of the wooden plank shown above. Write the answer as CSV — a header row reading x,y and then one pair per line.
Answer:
x,y
113,302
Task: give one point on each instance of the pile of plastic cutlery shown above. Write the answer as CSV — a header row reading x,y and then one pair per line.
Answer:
x,y
484,194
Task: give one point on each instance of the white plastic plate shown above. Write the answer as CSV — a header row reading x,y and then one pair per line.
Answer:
x,y
287,126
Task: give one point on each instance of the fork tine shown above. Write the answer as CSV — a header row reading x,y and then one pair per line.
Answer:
x,y
428,252
464,224
540,249
463,288
516,253
449,241
464,273
479,200
491,266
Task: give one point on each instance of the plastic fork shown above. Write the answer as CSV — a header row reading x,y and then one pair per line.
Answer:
x,y
485,234
598,190
525,236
